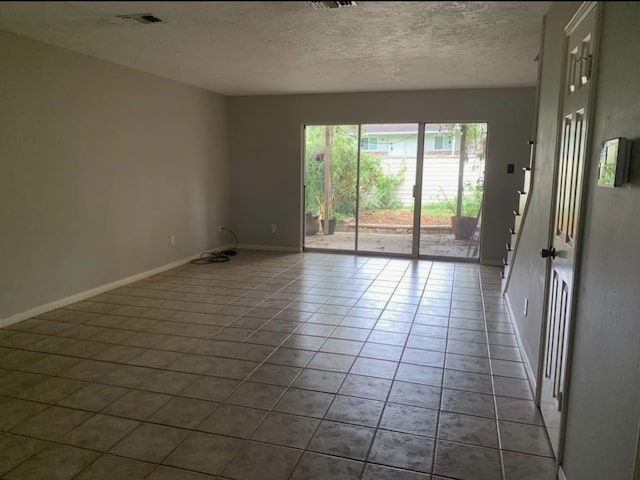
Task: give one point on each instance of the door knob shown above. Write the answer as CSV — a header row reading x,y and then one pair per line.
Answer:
x,y
548,252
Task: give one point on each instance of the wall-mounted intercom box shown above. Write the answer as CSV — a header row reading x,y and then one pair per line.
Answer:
x,y
613,168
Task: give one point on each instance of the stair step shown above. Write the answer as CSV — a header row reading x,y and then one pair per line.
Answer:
x,y
509,255
531,144
527,179
523,203
517,222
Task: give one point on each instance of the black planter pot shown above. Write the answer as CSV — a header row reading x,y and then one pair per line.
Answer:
x,y
332,226
310,225
467,227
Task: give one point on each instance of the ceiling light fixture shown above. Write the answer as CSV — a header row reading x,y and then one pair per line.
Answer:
x,y
328,5
140,18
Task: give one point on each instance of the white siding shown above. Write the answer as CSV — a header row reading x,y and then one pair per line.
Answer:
x,y
440,180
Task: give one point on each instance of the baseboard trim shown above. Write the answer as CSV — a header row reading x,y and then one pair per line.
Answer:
x,y
533,380
63,302
270,248
561,475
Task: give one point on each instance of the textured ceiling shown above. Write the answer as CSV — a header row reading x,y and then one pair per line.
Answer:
x,y
249,48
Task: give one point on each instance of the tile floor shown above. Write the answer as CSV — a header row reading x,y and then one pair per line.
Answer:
x,y
275,366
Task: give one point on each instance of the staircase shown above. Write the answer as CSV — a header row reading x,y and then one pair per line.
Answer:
x,y
518,216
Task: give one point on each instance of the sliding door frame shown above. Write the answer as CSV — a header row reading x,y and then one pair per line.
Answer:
x,y
358,188
417,192
417,204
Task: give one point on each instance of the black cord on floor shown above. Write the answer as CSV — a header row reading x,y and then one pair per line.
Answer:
x,y
217,257
231,251
210,257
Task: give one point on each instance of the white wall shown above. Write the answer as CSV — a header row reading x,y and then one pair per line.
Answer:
x,y
99,165
604,392
266,151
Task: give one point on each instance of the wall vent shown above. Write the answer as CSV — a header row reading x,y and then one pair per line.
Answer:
x,y
140,18
327,5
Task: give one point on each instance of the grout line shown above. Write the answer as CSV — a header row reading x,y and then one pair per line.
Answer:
x,y
493,386
444,365
280,398
367,278
395,373
168,369
335,395
223,402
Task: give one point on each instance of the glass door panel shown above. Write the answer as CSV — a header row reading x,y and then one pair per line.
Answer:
x,y
452,189
388,154
331,167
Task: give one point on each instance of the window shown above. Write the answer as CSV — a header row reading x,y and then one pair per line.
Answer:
x,y
440,142
369,143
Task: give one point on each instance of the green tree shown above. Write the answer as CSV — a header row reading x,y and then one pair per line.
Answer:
x,y
468,200
376,187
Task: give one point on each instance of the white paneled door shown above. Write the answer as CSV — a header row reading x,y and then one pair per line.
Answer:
x,y
574,138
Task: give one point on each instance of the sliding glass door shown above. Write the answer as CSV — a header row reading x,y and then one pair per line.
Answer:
x,y
361,183
388,160
452,189
331,181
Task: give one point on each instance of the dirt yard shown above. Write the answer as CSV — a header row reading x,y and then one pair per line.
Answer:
x,y
398,217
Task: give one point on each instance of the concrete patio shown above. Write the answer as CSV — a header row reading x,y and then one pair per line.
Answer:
x,y
433,244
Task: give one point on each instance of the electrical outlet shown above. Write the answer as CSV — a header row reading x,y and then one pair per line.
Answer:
x,y
220,227
172,240
526,306
274,228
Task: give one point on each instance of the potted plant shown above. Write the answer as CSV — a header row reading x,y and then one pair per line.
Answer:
x,y
332,226
464,227
310,224
329,229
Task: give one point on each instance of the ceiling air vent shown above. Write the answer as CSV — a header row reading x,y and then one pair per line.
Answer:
x,y
140,18
327,5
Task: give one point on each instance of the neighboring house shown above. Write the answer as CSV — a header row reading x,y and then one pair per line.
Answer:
x,y
397,144
402,139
